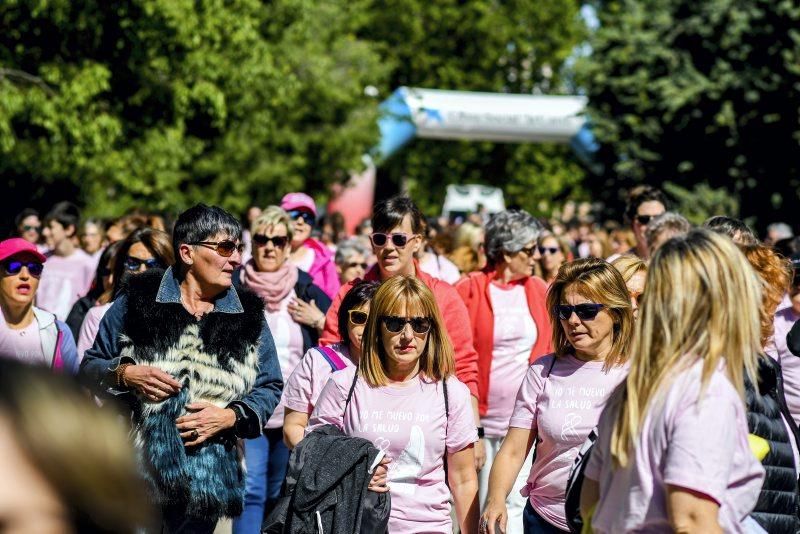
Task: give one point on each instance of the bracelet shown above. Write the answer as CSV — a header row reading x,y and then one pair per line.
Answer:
x,y
480,432
120,373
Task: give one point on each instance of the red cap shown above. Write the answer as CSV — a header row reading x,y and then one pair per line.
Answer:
x,y
296,201
17,245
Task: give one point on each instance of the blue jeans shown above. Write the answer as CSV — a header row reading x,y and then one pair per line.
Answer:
x,y
266,458
533,523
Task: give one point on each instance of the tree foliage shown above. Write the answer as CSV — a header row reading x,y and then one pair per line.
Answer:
x,y
699,92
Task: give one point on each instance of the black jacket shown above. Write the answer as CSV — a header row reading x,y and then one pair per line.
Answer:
x,y
78,313
333,495
778,506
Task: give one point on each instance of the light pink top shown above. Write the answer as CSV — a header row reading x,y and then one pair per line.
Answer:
x,y
688,439
289,344
408,422
89,328
440,267
24,345
561,408
302,388
790,364
514,336
64,281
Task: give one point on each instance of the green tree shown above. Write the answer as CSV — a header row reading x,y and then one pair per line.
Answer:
x,y
162,103
514,46
699,93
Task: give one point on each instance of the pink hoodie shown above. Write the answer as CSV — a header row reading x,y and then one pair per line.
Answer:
x,y
323,269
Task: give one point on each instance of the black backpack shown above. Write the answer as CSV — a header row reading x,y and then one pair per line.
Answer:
x,y
572,505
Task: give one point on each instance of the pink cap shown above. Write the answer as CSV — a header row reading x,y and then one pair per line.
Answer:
x,y
296,201
17,245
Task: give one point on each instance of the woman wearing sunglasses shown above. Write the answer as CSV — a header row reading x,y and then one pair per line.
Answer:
x,y
194,360
142,250
405,398
295,310
553,253
672,453
351,259
562,395
309,254
303,387
27,333
510,329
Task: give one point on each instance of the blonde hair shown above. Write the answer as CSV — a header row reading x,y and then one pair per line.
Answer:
x,y
597,280
628,265
437,360
702,302
272,216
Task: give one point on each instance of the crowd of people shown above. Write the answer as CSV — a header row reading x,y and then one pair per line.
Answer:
x,y
495,373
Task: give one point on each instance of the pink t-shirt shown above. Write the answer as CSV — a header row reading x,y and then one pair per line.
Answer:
x,y
302,389
514,336
408,423
790,364
289,344
24,345
561,406
440,267
697,442
64,281
89,328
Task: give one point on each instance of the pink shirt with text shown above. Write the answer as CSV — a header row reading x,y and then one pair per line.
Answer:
x,y
64,281
790,364
514,336
561,407
407,422
24,344
694,440
302,388
288,343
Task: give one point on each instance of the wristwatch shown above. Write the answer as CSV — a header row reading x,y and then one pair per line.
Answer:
x,y
480,432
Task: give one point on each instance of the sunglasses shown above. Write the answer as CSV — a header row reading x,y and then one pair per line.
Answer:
x,y
548,250
645,219
15,267
357,317
398,239
279,241
28,228
585,312
394,324
134,264
529,251
301,214
354,264
224,248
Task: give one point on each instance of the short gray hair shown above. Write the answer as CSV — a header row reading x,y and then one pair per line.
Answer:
x,y
783,230
347,248
669,221
508,232
273,216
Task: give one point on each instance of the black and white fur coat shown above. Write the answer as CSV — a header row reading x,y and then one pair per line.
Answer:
x,y
216,360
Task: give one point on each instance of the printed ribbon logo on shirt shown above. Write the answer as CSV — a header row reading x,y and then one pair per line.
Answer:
x,y
405,470
569,428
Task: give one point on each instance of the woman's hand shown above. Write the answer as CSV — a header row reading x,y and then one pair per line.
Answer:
x,y
206,421
307,313
495,511
155,384
380,478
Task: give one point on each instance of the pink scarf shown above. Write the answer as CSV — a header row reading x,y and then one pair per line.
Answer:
x,y
271,287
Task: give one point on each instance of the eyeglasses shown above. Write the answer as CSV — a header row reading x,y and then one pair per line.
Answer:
x,y
357,317
585,312
224,248
279,241
15,267
399,239
528,251
645,219
548,250
354,264
134,264
29,227
394,324
308,217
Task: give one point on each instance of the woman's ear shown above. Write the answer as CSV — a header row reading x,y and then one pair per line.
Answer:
x,y
186,253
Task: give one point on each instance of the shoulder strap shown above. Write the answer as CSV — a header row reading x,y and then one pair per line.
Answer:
x,y
333,359
350,393
58,358
446,400
552,364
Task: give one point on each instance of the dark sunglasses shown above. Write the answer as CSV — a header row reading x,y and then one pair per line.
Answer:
x,y
133,264
585,312
357,317
305,215
394,324
398,239
529,251
548,250
224,248
28,228
645,219
354,264
15,267
279,241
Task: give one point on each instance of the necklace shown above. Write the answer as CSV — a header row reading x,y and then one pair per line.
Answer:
x,y
197,314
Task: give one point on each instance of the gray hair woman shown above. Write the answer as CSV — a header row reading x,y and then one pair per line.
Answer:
x,y
351,259
194,360
510,328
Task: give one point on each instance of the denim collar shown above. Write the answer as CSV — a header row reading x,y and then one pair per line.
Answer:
x,y
169,292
